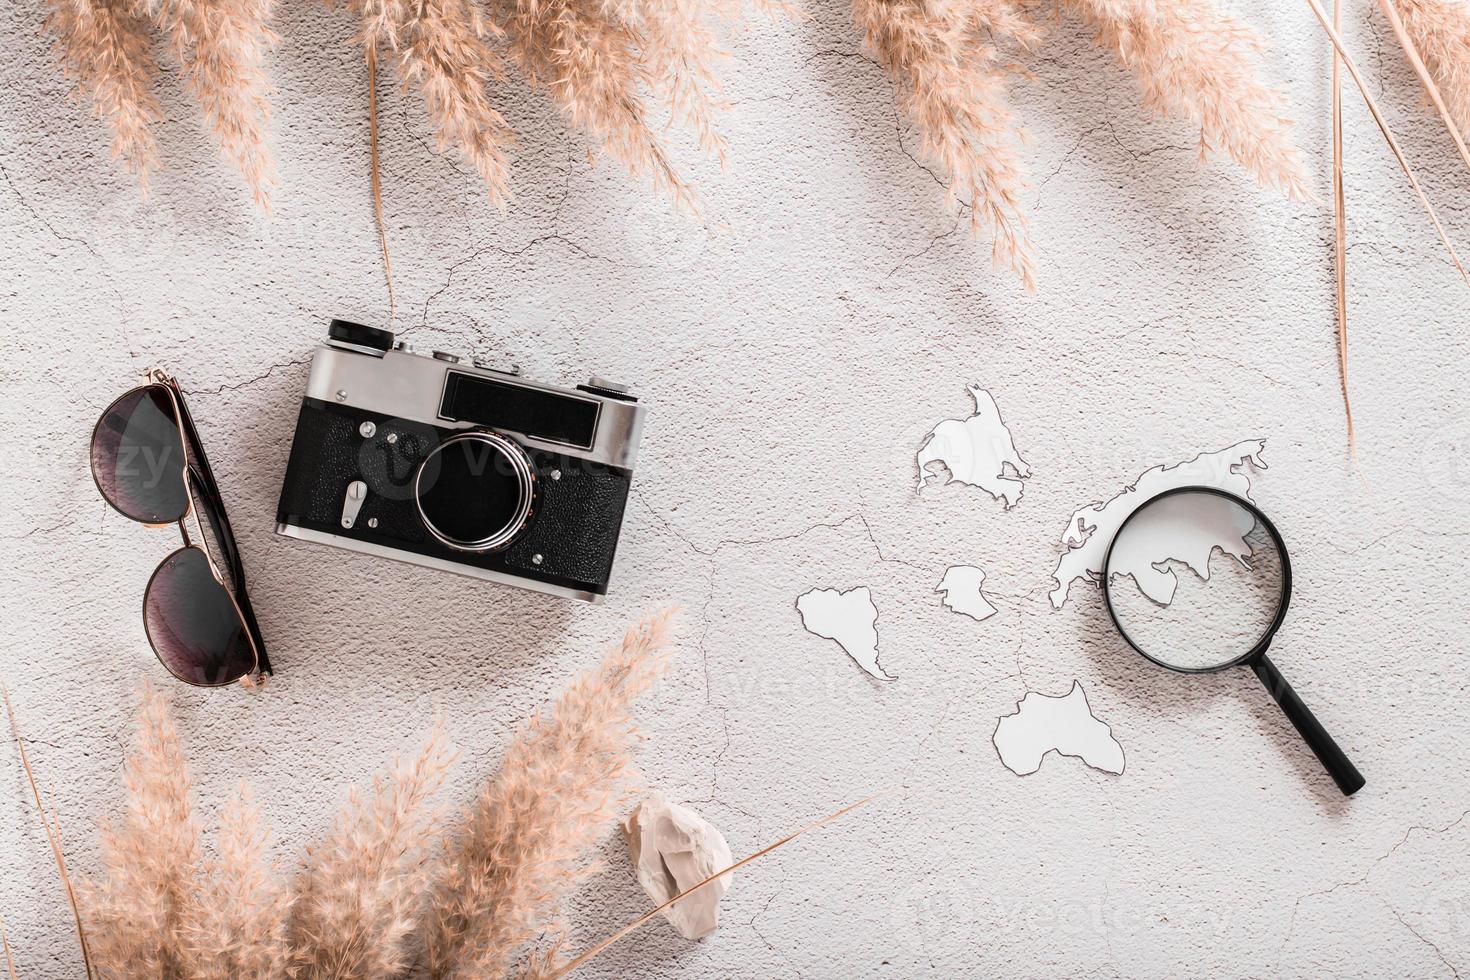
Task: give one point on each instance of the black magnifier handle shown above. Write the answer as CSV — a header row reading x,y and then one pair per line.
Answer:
x,y
1338,766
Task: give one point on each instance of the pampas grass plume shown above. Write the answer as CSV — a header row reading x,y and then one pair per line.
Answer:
x,y
360,896
523,845
135,912
1195,63
104,46
234,928
1441,30
220,46
953,86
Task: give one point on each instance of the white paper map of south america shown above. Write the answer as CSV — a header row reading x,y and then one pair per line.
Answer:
x,y
848,617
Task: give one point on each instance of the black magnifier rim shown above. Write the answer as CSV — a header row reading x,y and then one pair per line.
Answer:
x,y
1265,641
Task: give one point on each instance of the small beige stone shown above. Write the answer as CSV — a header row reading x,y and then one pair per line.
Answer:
x,y
673,848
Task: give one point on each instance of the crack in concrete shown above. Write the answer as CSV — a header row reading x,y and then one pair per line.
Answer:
x,y
835,53
1363,879
1239,365
43,220
1393,532
898,134
925,250
39,530
711,554
1422,938
933,730
509,252
297,362
101,264
1066,157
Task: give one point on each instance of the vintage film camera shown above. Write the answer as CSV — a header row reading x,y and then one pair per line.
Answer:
x,y
453,463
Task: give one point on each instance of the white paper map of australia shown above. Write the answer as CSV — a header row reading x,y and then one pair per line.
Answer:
x,y
848,617
1092,527
978,451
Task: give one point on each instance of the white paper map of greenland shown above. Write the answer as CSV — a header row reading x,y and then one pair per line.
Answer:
x,y
1065,725
977,451
1092,528
848,617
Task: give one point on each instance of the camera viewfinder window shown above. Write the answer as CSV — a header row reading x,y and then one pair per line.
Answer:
x,y
538,414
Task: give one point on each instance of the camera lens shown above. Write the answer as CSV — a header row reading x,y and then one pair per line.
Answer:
x,y
474,491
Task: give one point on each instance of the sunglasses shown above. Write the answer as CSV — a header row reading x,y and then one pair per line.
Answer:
x,y
150,467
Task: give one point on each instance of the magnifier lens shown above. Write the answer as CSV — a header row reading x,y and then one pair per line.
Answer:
x,y
1194,580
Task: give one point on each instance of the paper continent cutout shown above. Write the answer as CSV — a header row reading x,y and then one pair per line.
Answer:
x,y
1187,528
1065,725
850,618
1092,527
961,587
977,451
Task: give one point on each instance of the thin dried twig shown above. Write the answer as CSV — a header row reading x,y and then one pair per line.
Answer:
x,y
551,971
1393,144
53,837
9,960
374,177
1339,209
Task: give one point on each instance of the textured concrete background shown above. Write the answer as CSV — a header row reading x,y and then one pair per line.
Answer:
x,y
794,354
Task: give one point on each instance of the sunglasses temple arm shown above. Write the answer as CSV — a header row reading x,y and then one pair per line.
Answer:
x,y
248,612
204,477
1333,759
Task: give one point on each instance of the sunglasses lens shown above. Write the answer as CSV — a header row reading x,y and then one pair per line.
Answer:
x,y
193,623
138,457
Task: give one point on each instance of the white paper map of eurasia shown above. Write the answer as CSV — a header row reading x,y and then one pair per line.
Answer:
x,y
977,451
848,617
961,587
1065,725
1092,528
1187,528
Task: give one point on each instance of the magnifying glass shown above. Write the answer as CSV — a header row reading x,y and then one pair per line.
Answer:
x,y
1198,580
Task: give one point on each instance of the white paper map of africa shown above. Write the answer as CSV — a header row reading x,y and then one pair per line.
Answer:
x,y
1092,528
977,451
848,617
1065,725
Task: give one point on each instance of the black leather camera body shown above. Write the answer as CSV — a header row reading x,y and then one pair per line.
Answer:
x,y
455,464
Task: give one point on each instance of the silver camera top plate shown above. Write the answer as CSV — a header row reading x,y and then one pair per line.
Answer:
x,y
410,386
